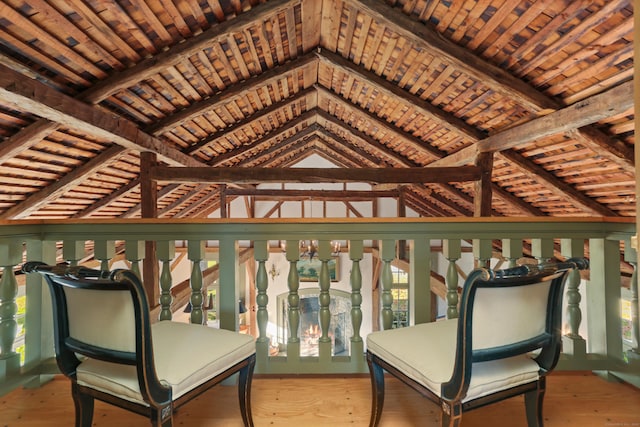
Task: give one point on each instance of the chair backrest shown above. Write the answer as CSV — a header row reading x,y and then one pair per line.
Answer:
x,y
104,316
507,313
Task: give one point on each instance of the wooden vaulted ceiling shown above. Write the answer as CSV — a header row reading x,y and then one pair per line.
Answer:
x,y
536,95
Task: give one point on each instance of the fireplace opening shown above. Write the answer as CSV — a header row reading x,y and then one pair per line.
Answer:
x,y
340,328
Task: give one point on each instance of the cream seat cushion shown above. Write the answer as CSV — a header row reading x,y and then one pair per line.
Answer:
x,y
426,354
186,355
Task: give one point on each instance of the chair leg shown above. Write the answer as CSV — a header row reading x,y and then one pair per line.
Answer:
x,y
533,401
451,414
162,416
244,392
84,406
377,391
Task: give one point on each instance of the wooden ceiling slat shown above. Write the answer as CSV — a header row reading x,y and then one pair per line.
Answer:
x,y
375,70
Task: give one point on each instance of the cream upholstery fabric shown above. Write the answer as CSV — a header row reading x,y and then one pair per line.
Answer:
x,y
426,353
492,307
186,356
110,323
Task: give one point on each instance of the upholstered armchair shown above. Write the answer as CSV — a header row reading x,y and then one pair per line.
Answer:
x,y
504,343
107,346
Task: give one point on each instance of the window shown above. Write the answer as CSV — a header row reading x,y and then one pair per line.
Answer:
x,y
400,293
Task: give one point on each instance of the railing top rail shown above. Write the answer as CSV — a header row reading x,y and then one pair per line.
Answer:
x,y
433,220
319,228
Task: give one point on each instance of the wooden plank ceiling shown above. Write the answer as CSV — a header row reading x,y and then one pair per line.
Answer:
x,y
538,94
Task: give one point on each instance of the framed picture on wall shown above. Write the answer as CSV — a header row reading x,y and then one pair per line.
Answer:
x,y
309,269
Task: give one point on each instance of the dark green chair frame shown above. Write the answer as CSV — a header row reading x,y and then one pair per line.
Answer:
x,y
547,344
161,406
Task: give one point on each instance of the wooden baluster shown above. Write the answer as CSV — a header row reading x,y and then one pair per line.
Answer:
x,y
261,254
572,343
134,251
631,256
195,252
324,299
73,251
10,255
512,250
166,250
293,300
104,251
387,253
355,279
542,250
452,250
482,253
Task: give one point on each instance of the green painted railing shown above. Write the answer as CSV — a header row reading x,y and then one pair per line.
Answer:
x,y
606,242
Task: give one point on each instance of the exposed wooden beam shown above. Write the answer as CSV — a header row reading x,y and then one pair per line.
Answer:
x,y
104,201
483,187
25,94
557,186
307,118
588,111
232,93
181,52
420,146
442,118
328,195
524,207
310,175
248,121
26,138
64,184
392,157
462,59
358,152
283,147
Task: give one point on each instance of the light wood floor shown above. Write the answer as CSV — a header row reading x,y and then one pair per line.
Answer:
x,y
575,399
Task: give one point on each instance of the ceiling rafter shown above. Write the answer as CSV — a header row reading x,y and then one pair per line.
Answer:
x,y
308,118
290,102
614,101
61,186
25,94
422,35
557,186
498,79
173,56
106,200
232,94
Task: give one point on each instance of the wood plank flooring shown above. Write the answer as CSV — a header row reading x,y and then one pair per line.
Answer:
x,y
573,399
